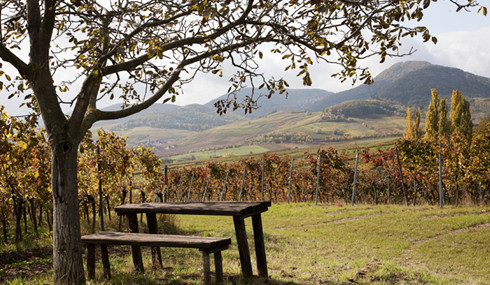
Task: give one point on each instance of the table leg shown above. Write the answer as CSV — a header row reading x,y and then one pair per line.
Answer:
x,y
105,261
156,254
259,245
207,267
91,261
241,237
136,250
218,267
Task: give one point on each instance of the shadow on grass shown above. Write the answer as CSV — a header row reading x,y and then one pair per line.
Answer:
x,y
187,279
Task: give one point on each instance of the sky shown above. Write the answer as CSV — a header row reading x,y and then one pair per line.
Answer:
x,y
463,42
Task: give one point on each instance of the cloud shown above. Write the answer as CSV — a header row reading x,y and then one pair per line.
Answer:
x,y
468,50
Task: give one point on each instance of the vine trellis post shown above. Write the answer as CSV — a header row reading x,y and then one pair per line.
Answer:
x,y
290,178
318,178
355,180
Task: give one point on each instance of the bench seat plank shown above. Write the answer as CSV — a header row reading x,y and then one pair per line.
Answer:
x,y
117,238
206,245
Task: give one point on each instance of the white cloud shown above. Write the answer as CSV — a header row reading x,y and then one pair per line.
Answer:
x,y
467,50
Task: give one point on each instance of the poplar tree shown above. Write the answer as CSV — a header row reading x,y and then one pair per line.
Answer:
x,y
417,129
460,116
410,127
432,117
444,125
437,125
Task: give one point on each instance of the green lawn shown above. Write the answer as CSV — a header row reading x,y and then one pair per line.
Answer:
x,y
333,244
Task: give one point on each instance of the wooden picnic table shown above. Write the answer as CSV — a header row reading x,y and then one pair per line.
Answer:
x,y
238,210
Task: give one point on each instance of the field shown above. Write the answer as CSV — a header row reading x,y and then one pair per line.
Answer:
x,y
307,244
206,155
298,125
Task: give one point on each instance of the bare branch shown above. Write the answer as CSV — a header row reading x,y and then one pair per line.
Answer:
x,y
11,58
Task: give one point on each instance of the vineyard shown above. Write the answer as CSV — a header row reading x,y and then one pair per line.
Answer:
x,y
110,174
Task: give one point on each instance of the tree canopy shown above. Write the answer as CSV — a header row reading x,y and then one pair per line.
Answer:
x,y
76,52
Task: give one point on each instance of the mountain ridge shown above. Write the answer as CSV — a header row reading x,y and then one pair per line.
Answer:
x,y
406,84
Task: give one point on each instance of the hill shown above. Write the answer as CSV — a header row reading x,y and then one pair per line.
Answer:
x,y
371,108
305,116
285,130
409,83
193,117
294,100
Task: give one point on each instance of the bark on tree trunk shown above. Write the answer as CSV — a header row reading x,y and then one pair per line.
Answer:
x,y
48,219
18,217
4,225
33,216
24,214
67,251
40,214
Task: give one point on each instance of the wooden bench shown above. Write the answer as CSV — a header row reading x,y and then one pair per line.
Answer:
x,y
206,245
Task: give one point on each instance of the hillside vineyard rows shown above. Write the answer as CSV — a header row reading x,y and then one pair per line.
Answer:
x,y
110,174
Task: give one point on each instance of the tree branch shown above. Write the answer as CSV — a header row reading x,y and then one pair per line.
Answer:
x,y
47,26
94,115
33,27
11,58
177,44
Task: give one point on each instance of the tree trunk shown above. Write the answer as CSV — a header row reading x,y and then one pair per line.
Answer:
x,y
108,205
24,213
94,211
33,216
48,219
18,217
67,250
40,214
5,231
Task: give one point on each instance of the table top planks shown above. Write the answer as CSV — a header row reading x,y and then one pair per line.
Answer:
x,y
238,209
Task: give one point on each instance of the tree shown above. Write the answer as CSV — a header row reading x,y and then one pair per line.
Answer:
x,y
417,128
460,116
144,51
410,127
436,123
431,118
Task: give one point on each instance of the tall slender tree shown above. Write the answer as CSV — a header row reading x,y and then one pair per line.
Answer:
x,y
417,129
460,116
410,127
432,117
437,125
443,124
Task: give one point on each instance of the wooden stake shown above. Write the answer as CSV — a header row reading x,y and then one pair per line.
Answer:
x,y
353,200
401,177
290,178
318,178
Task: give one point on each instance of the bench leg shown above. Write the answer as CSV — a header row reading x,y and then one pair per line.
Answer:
x,y
218,267
207,267
91,261
156,254
105,261
135,249
259,245
241,237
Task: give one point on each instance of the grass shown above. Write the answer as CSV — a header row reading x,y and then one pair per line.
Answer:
x,y
243,150
308,123
332,244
